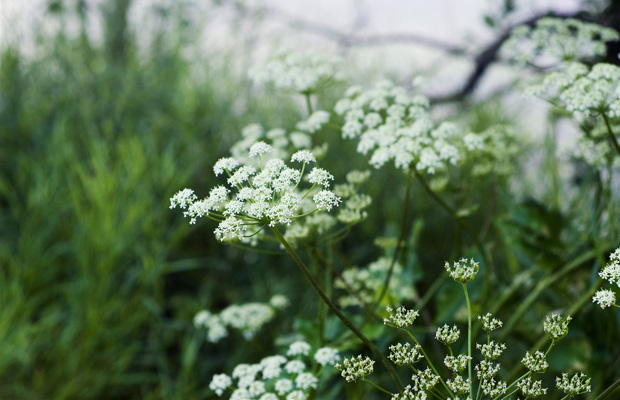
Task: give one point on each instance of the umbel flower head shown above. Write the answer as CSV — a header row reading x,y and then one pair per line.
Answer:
x,y
303,72
463,271
611,273
555,39
578,384
556,327
267,193
355,368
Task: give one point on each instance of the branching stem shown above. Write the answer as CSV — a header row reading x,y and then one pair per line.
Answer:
x,y
335,309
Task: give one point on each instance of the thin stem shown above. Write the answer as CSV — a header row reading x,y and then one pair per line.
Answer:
x,y
471,385
608,391
430,363
376,386
309,104
463,224
610,134
321,306
399,243
333,307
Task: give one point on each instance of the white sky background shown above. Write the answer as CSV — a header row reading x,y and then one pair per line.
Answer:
x,y
454,22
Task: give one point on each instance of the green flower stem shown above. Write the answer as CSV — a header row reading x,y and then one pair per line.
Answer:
x,y
430,363
333,307
370,311
471,382
528,373
463,223
610,134
321,306
376,386
401,239
608,391
308,104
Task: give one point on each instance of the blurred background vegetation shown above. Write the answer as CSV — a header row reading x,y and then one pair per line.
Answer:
x,y
100,281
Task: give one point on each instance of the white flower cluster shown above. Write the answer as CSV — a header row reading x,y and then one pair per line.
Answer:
x,y
535,363
491,350
578,384
531,388
462,271
275,377
404,354
459,385
553,40
401,318
556,327
351,211
489,323
246,318
457,364
366,283
302,72
611,273
355,368
422,382
447,334
266,194
397,126
579,89
314,122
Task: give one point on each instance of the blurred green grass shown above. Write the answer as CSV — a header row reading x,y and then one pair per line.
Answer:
x,y
94,140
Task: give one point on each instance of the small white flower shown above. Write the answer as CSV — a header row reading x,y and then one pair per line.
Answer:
x,y
303,156
295,367
489,323
326,199
578,384
219,383
604,298
556,327
355,368
298,348
459,385
531,388
320,177
402,318
536,362
306,381
225,164
447,335
297,395
457,364
283,386
327,355
260,148
404,354
183,199
491,350
314,122
462,271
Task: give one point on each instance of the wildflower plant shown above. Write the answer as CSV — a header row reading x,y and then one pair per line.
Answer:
x,y
611,273
267,194
583,91
461,383
273,180
554,40
246,318
293,376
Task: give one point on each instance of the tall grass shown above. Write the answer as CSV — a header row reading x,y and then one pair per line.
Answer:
x,y
92,143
